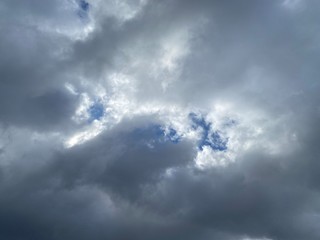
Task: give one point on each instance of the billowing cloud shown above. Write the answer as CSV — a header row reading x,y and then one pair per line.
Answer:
x,y
159,120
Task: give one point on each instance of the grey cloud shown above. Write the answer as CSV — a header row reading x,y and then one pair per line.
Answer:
x,y
31,77
254,51
126,185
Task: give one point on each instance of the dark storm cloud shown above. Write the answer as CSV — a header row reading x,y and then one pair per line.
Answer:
x,y
115,164
132,181
259,196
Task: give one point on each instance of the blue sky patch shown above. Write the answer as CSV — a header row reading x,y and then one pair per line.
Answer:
x,y
213,140
96,111
157,133
83,8
173,136
84,5
216,142
199,121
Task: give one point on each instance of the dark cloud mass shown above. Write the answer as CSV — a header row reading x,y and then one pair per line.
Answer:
x,y
152,120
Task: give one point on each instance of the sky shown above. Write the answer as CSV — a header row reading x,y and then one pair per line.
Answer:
x,y
152,120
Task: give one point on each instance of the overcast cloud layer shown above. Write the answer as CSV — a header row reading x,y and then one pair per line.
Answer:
x,y
152,120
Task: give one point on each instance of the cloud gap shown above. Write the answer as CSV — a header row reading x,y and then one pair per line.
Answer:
x,y
209,137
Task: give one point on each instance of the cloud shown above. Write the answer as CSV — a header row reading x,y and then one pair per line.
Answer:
x,y
159,120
